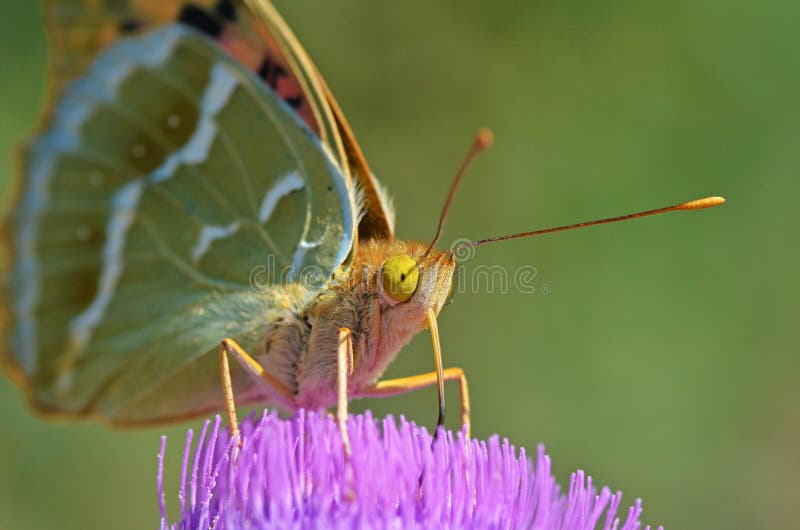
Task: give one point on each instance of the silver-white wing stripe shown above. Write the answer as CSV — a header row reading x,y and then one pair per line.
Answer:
x,y
283,187
209,234
64,137
196,150
124,204
299,255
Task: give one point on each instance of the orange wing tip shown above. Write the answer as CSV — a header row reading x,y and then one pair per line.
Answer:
x,y
699,204
484,139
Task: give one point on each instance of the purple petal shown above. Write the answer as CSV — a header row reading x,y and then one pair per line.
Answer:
x,y
292,473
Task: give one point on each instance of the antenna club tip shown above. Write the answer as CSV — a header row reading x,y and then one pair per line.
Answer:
x,y
699,204
484,139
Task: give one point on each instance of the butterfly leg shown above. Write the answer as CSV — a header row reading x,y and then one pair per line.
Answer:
x,y
393,387
344,363
229,347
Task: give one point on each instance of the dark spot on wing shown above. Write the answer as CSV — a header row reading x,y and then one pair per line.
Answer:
x,y
201,20
266,66
294,102
226,10
275,74
130,25
272,73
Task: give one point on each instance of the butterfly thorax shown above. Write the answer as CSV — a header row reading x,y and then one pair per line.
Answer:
x,y
301,349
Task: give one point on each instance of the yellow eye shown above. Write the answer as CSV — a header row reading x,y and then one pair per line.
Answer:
x,y
399,276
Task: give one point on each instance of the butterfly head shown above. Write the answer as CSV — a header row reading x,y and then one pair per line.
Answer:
x,y
422,279
408,281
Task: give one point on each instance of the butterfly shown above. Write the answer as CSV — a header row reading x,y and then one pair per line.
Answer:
x,y
194,194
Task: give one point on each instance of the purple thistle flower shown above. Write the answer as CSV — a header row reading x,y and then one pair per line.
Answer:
x,y
292,473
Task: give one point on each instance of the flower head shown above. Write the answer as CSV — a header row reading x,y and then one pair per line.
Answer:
x,y
292,473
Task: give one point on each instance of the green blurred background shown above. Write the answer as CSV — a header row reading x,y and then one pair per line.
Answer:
x,y
664,360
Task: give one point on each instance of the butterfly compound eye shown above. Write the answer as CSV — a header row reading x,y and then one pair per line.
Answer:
x,y
399,276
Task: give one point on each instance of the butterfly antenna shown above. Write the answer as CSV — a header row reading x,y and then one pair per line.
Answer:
x,y
697,204
483,140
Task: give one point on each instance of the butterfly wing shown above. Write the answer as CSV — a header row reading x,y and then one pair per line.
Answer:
x,y
78,30
167,176
258,37
378,218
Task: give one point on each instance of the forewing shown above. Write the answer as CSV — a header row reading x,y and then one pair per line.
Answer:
x,y
256,35
78,30
174,201
378,219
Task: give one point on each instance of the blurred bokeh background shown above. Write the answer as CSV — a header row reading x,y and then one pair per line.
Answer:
x,y
660,355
